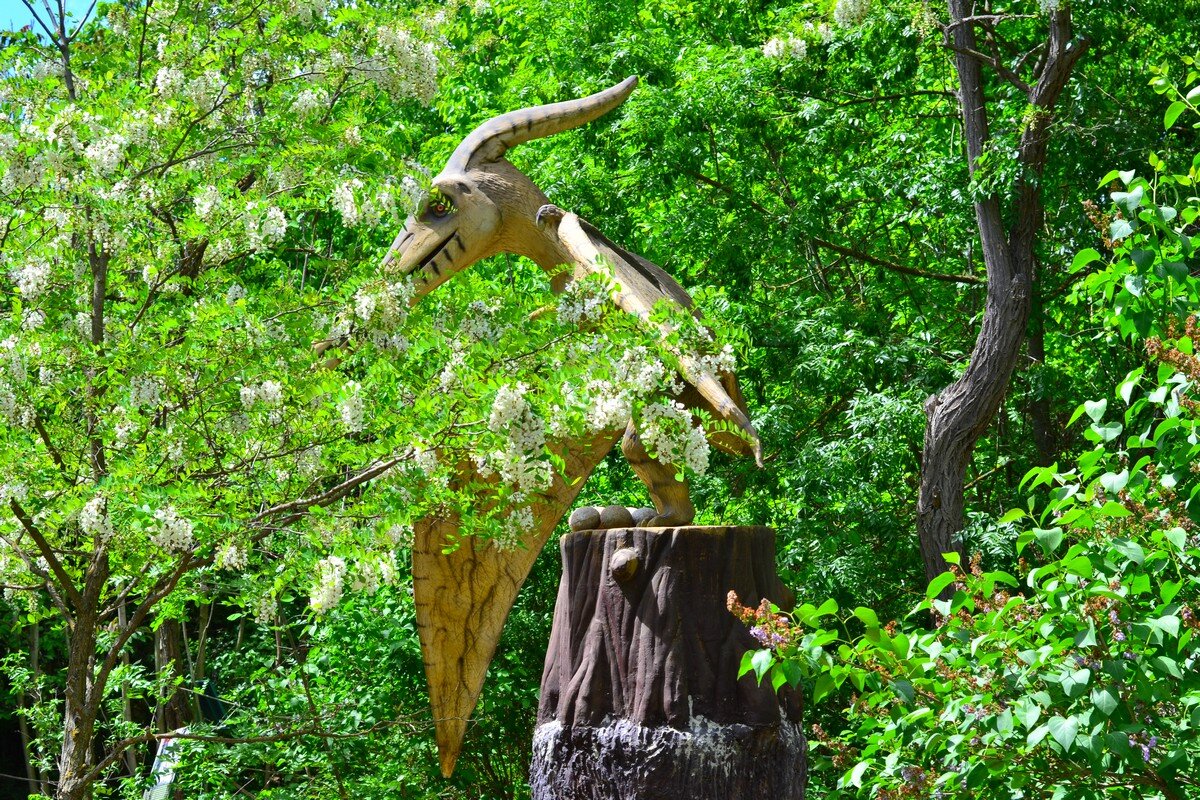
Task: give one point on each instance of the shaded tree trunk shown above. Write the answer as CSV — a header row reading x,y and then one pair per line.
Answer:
x,y
958,415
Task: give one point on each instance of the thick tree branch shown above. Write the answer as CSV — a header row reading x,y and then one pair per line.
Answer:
x,y
43,546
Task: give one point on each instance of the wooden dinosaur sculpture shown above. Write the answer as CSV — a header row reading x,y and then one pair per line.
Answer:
x,y
481,205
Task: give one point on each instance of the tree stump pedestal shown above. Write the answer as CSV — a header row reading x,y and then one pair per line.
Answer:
x,y
640,694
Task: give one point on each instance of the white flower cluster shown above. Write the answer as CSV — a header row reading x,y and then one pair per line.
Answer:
x,y
713,364
789,47
399,535
480,323
848,13
1049,6
308,10
637,374
264,233
94,519
168,81
345,203
667,432
174,533
383,310
207,200
330,584
32,278
525,434
407,68
234,293
582,302
203,90
144,391
309,102
369,574
105,154
232,557
351,408
269,394
264,608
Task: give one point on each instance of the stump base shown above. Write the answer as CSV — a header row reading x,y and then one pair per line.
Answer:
x,y
706,761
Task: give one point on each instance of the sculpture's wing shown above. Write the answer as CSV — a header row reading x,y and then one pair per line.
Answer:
x,y
641,285
463,597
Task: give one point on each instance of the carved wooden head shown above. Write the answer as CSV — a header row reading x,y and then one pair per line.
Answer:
x,y
479,204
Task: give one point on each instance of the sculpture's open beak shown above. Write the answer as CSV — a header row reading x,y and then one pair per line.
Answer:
x,y
426,254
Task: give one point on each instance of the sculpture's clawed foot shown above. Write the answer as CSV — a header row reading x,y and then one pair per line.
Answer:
x,y
548,212
598,518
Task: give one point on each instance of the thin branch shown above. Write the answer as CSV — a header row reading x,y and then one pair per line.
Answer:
x,y
332,495
47,553
893,266
55,456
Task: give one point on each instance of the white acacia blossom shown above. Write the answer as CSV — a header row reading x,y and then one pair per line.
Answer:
x,y
32,278
351,408
849,13
174,533
331,583
788,47
667,432
520,462
94,519
345,202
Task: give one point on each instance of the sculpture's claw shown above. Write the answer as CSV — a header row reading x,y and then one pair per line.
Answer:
x,y
548,212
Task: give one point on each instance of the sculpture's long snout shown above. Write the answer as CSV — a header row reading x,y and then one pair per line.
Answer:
x,y
394,260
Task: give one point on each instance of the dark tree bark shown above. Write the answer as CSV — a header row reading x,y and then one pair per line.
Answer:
x,y
640,695
958,415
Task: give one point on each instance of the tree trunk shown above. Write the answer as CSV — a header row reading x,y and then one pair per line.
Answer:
x,y
640,695
959,415
168,641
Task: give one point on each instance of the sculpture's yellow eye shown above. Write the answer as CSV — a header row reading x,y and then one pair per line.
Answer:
x,y
440,205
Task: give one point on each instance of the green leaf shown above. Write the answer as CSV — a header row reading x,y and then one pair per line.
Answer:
x,y
830,606
1114,482
761,661
1169,589
1131,550
1012,516
1168,624
1083,258
855,777
1173,112
1108,431
1177,537
868,617
1081,566
1114,509
1095,409
823,687
938,584
1104,700
1064,731
1167,665
1048,538
1036,735
1027,712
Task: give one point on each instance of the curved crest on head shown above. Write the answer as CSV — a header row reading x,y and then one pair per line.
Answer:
x,y
491,140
